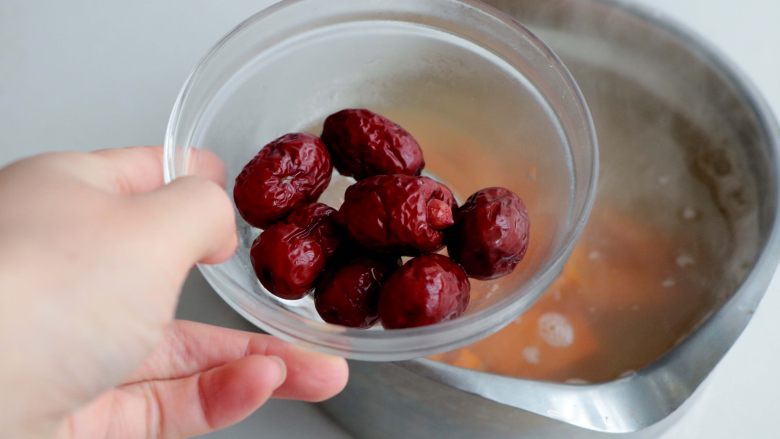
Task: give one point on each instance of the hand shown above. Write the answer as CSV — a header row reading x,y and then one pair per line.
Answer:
x,y
93,253
202,378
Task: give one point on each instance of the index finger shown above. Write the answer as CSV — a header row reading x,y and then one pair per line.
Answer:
x,y
190,347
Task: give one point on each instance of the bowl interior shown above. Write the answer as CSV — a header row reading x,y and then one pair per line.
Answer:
x,y
490,105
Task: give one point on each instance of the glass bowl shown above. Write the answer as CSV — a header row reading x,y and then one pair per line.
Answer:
x,y
490,104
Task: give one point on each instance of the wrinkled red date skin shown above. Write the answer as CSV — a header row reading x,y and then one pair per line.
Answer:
x,y
318,220
289,256
363,144
490,235
426,290
398,214
348,295
287,173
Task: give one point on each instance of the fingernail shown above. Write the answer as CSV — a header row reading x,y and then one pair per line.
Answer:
x,y
281,370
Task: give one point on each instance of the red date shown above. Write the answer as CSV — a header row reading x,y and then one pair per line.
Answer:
x,y
288,257
426,290
289,172
364,144
348,294
490,235
397,214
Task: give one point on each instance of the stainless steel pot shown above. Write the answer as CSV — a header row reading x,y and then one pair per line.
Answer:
x,y
657,75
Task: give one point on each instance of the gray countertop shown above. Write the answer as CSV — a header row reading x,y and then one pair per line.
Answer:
x,y
88,74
